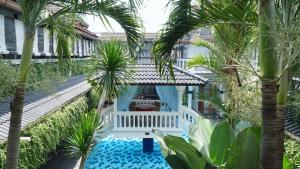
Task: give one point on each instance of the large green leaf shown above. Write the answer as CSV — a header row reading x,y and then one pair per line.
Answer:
x,y
200,134
240,126
176,162
221,139
183,150
245,151
286,163
193,156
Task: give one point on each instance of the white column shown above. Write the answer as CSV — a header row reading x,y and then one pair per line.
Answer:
x,y
115,105
46,41
75,47
54,43
35,44
89,48
2,35
180,91
79,47
83,44
19,35
190,89
86,47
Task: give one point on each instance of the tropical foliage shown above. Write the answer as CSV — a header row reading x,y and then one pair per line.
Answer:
x,y
34,14
81,138
41,78
46,134
109,69
292,151
215,145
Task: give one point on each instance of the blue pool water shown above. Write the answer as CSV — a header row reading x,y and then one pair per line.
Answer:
x,y
117,153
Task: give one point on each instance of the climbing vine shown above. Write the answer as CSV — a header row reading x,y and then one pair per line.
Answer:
x,y
46,134
41,77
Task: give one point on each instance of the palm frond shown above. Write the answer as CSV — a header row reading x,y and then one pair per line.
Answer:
x,y
124,16
81,138
112,66
31,13
181,21
228,11
63,27
187,16
105,9
135,4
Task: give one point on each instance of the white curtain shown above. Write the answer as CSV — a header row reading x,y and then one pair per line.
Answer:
x,y
124,100
169,95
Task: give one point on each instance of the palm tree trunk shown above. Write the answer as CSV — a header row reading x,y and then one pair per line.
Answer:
x,y
101,101
271,122
17,104
82,161
270,127
281,108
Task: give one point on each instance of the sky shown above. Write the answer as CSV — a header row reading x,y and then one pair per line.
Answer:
x,y
154,14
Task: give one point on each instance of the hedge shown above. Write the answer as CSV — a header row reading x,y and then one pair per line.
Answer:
x,y
41,76
47,134
292,151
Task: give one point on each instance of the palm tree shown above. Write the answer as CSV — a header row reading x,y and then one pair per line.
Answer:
x,y
32,17
81,139
268,64
188,15
287,13
109,69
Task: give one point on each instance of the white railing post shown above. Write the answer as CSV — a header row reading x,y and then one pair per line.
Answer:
x,y
115,105
115,121
190,92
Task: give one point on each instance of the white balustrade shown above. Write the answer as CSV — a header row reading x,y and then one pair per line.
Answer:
x,y
107,116
189,115
145,121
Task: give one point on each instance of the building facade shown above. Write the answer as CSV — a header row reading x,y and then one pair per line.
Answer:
x,y
45,42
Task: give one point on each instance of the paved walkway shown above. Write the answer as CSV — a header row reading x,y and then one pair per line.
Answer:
x,y
61,161
38,104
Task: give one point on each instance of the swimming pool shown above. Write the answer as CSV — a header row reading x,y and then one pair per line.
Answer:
x,y
122,153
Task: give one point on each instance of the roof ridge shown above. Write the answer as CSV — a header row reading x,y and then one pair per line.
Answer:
x,y
191,74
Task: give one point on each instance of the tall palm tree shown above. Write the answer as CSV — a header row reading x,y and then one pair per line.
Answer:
x,y
81,139
33,16
287,13
268,64
188,15
109,69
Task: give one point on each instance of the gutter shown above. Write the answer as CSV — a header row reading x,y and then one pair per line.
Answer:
x,y
11,5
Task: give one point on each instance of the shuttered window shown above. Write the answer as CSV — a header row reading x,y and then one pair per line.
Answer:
x,y
10,34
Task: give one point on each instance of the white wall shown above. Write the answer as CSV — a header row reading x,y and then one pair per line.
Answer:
x,y
46,42
2,36
19,35
35,44
80,49
193,51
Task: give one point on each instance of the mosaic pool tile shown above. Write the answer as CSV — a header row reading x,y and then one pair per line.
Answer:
x,y
117,153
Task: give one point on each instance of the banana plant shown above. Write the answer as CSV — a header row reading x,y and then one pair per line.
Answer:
x,y
214,146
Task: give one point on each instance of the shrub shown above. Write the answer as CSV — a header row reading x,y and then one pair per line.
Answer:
x,y
41,76
292,150
47,134
93,99
7,79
